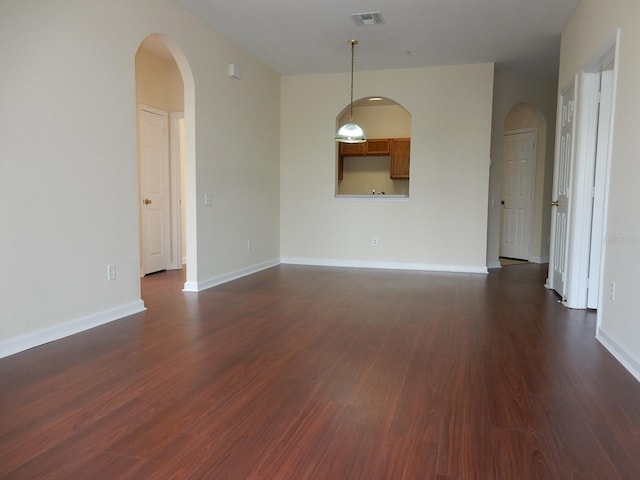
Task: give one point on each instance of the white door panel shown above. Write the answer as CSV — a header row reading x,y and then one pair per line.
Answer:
x,y
517,192
154,189
561,192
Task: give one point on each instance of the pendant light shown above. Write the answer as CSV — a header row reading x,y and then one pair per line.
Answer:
x,y
350,132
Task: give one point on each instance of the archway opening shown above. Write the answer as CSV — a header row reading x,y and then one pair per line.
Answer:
x,y
166,164
381,166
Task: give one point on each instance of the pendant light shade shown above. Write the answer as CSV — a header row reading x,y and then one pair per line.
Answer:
x,y
351,132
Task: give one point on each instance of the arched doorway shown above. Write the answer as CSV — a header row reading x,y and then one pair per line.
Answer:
x,y
166,164
525,184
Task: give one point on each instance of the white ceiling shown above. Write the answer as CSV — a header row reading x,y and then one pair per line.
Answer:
x,y
310,36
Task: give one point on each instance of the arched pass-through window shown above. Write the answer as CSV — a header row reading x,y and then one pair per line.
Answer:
x,y
381,166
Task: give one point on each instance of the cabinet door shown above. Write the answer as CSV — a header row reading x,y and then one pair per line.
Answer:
x,y
353,148
378,147
400,148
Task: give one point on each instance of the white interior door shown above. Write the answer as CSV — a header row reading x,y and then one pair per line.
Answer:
x,y
597,221
517,194
561,191
154,189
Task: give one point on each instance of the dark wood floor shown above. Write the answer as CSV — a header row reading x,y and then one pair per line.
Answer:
x,y
327,373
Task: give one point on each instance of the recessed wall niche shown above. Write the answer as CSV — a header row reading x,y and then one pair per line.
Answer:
x,y
382,165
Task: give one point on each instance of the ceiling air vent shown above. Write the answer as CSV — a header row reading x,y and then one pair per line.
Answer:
x,y
366,19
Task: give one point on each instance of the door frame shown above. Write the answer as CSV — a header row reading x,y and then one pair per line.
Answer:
x,y
175,256
600,189
582,200
532,181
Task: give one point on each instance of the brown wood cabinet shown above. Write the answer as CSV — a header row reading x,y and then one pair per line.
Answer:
x,y
399,154
378,146
353,148
396,148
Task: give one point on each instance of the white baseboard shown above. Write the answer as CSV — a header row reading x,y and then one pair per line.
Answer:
x,y
384,265
227,277
40,337
627,361
539,259
494,264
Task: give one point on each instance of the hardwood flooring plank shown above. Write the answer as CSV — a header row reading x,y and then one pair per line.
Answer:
x,y
177,460
423,402
523,455
302,372
109,466
405,458
506,388
25,461
568,435
466,449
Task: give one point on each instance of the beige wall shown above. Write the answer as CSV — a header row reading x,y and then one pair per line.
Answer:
x,y
68,182
540,95
158,82
443,224
363,175
384,121
591,25
521,116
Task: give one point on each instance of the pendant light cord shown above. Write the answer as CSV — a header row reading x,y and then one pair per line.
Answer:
x,y
353,44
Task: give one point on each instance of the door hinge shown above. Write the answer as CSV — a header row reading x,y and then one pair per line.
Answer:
x,y
598,97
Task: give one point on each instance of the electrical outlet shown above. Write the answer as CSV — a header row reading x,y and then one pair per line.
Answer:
x,y
612,291
248,244
111,272
208,199
374,241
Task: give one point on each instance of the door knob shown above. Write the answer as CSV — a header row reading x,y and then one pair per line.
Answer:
x,y
147,201
555,204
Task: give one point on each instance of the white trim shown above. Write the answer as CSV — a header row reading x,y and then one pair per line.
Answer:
x,y
581,196
539,259
602,158
631,364
606,54
40,337
607,185
384,265
494,264
175,258
227,277
582,199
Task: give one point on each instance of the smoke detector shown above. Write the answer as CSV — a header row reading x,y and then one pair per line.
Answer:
x,y
367,19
